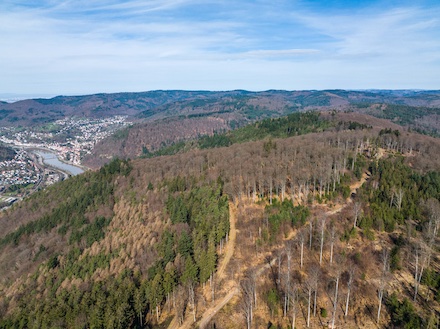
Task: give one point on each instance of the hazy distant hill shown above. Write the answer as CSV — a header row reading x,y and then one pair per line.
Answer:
x,y
161,104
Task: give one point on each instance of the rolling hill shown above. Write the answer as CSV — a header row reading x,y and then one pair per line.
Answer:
x,y
162,104
242,235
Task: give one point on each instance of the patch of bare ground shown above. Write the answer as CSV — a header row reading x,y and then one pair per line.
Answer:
x,y
250,222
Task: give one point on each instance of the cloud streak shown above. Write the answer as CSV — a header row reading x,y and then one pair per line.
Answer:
x,y
106,46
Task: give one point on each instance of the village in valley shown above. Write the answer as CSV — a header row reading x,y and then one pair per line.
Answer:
x,y
70,139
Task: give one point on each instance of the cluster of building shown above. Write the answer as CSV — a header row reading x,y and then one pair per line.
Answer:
x,y
70,138
19,171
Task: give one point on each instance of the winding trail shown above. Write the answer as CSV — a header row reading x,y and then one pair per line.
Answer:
x,y
210,312
229,251
230,246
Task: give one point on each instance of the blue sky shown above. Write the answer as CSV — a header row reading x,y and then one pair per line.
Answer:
x,y
52,47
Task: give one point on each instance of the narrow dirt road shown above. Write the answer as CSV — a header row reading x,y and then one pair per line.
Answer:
x,y
228,252
355,186
230,246
209,313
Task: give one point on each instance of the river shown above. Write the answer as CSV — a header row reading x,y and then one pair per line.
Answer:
x,y
52,160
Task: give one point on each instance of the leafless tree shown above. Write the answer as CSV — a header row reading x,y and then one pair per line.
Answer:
x,y
432,207
294,303
322,229
246,305
301,240
385,255
181,299
252,275
315,273
351,275
337,270
289,254
333,238
399,193
421,254
392,194
192,298
280,254
309,290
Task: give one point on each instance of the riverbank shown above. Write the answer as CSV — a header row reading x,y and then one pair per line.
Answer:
x,y
50,159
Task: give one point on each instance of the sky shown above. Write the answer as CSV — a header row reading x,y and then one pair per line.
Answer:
x,y
77,47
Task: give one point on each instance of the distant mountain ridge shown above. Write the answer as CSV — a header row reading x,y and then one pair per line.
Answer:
x,y
164,103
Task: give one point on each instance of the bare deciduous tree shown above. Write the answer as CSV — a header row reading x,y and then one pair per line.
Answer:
x,y
309,289
385,255
289,254
315,273
421,254
350,280
246,305
181,299
432,207
337,270
192,298
294,303
301,240
333,238
399,193
322,229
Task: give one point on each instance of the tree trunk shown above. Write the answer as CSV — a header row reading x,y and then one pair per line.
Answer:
x,y
322,239
302,252
380,305
314,302
347,301
308,308
335,306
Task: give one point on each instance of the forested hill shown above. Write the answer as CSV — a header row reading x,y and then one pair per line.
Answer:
x,y
180,122
314,229
294,124
235,105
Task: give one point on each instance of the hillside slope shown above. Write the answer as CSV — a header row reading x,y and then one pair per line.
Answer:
x,y
160,104
138,243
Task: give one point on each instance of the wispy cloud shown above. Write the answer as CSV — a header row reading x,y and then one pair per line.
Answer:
x,y
109,45
276,54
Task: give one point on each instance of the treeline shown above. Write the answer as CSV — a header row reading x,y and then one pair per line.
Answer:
x,y
419,118
77,195
396,194
183,204
396,199
187,249
294,124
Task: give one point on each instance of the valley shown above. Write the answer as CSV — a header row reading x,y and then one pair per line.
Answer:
x,y
227,216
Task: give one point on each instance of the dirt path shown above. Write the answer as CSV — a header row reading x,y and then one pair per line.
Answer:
x,y
209,313
355,186
228,252
230,246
